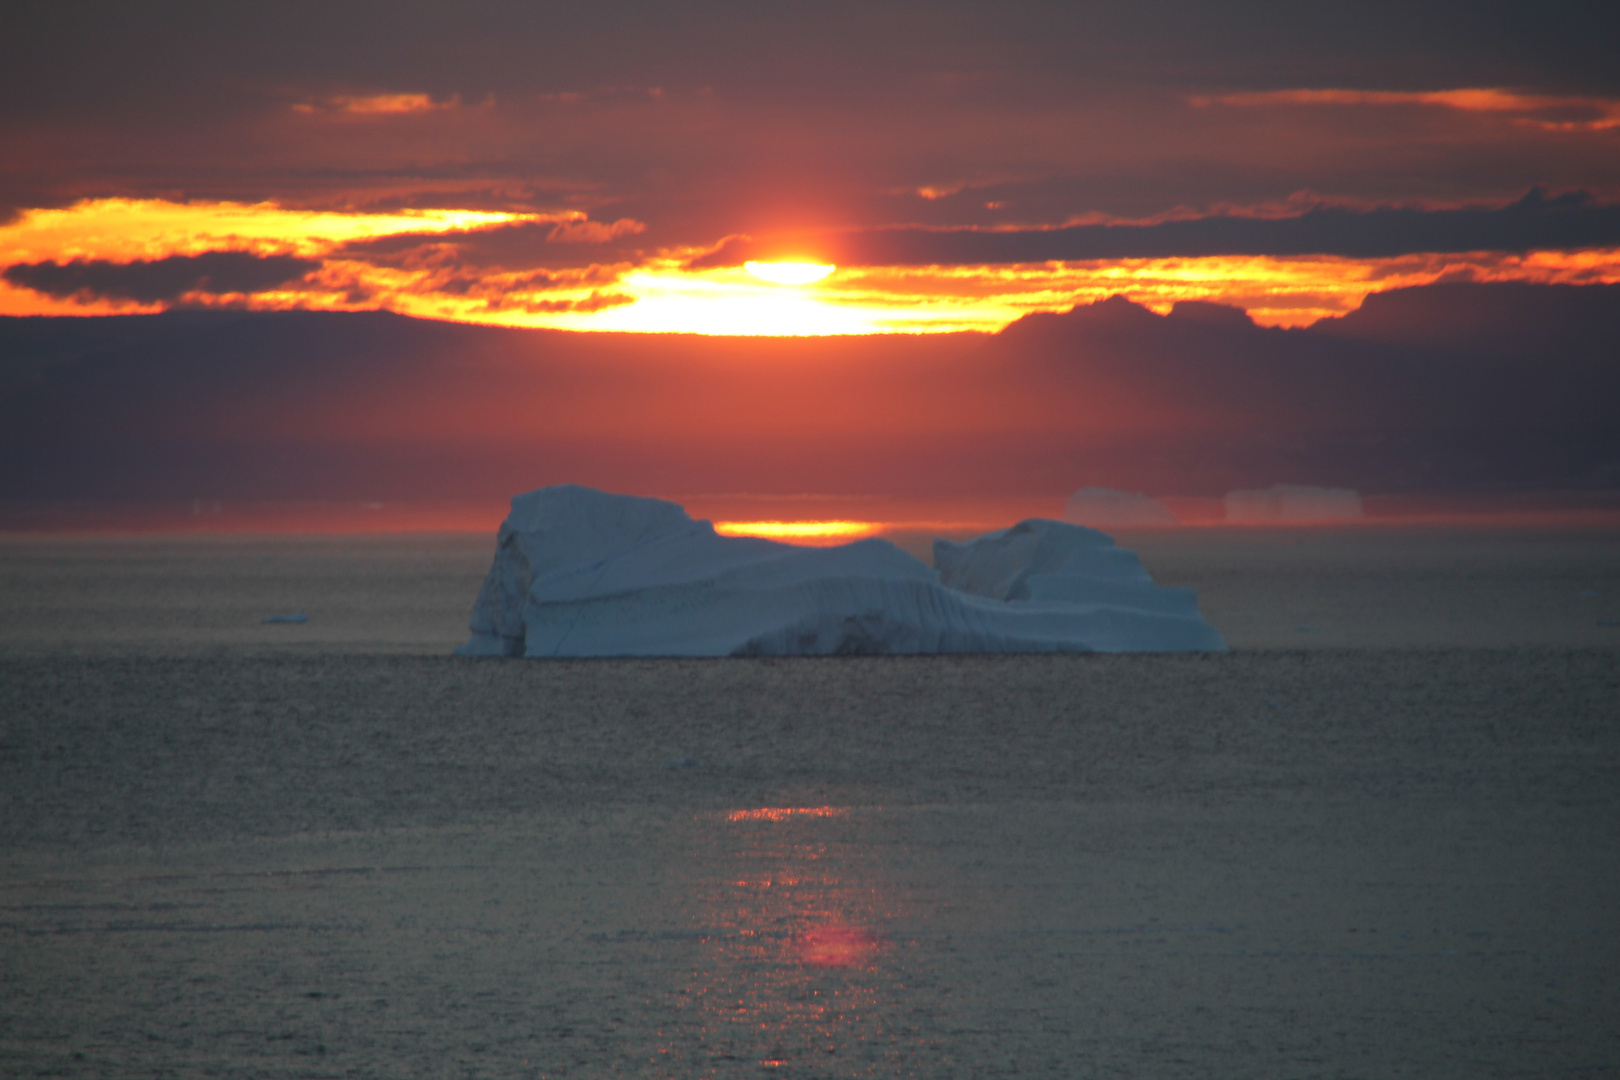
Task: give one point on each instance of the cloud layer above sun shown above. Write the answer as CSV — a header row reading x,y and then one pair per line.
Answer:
x,y
118,256
960,166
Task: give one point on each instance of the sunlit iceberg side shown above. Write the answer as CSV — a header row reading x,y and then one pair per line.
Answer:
x,y
579,572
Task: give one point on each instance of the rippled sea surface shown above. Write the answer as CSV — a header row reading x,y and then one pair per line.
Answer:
x,y
228,849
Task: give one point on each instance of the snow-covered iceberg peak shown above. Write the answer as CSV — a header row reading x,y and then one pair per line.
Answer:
x,y
1023,562
579,572
1054,565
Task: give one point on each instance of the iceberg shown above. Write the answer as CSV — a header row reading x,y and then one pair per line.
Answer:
x,y
1108,508
1297,504
585,573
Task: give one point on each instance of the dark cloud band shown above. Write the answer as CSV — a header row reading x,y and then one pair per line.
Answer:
x,y
157,280
1535,222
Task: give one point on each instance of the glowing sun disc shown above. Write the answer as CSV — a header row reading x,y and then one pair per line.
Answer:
x,y
788,273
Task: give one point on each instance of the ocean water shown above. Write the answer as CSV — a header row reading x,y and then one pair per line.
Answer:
x,y
1322,588
1387,845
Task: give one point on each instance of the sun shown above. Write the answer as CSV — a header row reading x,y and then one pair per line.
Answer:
x,y
789,273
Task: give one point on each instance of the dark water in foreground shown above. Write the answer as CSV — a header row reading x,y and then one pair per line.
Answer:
x,y
1376,862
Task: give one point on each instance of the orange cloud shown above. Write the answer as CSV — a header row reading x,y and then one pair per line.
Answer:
x,y
152,281
596,301
378,104
1276,291
132,231
434,276
594,232
1552,112
155,228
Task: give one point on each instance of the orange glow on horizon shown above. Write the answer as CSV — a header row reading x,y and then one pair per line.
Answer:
x,y
803,532
210,518
789,273
659,294
1275,291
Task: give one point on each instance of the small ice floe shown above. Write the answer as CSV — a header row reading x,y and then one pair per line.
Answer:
x,y
294,617
682,762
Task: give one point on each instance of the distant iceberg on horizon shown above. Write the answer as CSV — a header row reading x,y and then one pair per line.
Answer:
x,y
1107,508
1293,504
585,573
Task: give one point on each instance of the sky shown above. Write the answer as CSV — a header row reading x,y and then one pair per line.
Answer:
x,y
617,166
1461,389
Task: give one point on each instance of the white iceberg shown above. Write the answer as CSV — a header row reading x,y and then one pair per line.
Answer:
x,y
579,572
1107,508
1296,504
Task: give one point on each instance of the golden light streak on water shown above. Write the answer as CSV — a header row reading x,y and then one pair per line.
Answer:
x,y
837,946
797,961
783,813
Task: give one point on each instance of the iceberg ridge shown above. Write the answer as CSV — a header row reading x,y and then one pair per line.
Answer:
x,y
579,572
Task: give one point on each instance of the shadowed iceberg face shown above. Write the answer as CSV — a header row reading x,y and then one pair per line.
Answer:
x,y
580,572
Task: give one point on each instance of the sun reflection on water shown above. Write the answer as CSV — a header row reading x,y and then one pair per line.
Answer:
x,y
782,813
795,969
837,946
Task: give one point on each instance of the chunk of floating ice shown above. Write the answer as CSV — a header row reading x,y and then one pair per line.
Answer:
x,y
296,617
579,572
